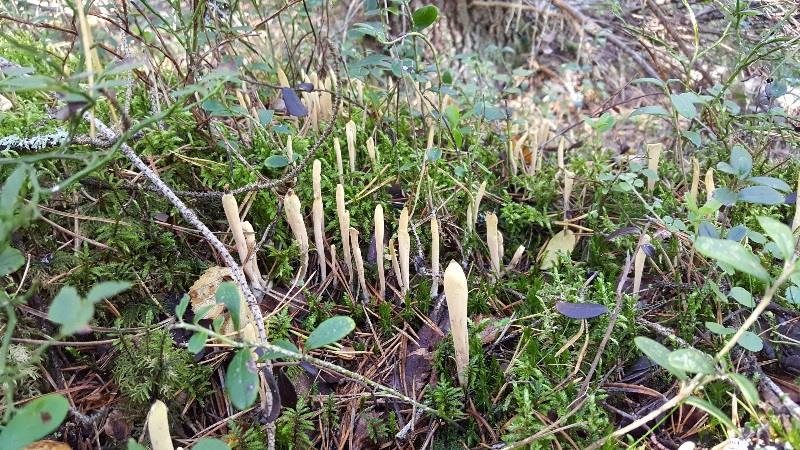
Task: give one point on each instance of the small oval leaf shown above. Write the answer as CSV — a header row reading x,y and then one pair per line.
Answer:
x,y
751,341
35,420
658,354
581,310
330,331
425,16
692,360
241,380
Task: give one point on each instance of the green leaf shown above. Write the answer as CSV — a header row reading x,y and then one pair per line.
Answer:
x,y
693,137
732,253
210,444
425,17
749,391
276,162
741,161
180,310
106,289
11,189
659,354
742,296
197,342
35,420
133,445
228,295
330,331
11,260
774,183
711,409
648,80
241,380
780,233
751,341
683,104
201,312
652,110
70,311
433,154
761,195
719,329
692,360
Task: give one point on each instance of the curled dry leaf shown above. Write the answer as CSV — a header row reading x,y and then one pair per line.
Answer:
x,y
47,445
562,242
203,292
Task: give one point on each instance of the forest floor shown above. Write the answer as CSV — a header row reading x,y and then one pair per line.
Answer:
x,y
300,242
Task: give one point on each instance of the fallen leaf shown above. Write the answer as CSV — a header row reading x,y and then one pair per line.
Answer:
x,y
562,242
48,445
581,310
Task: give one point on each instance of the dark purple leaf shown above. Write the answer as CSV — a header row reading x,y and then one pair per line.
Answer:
x,y
307,87
581,310
791,198
622,232
649,250
293,104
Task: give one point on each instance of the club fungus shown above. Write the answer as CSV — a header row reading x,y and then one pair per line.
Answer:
x,y
318,217
638,263
516,258
434,257
709,184
350,133
158,427
404,242
231,208
344,228
455,290
653,157
362,283
339,167
395,264
379,250
250,239
373,154
695,180
492,242
294,216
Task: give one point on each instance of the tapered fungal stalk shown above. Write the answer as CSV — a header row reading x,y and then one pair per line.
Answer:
x,y
796,219
252,261
326,101
562,144
477,204
455,291
470,215
511,156
709,182
339,167
290,149
404,243
519,153
379,250
492,242
344,229
158,427
294,216
282,80
500,249
653,158
362,282
434,257
350,133
231,208
516,258
638,263
372,152
398,274
569,182
318,217
431,136
694,190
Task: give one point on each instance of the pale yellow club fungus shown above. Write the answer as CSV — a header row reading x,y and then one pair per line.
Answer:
x,y
339,166
456,293
379,250
653,158
231,208
344,229
477,204
350,133
569,182
294,216
695,188
434,257
318,217
431,136
362,282
469,217
638,263
252,261
158,427
372,152
709,182
562,242
796,219
290,149
395,264
282,80
404,243
515,260
492,242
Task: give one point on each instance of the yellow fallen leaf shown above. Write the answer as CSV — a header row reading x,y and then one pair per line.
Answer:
x,y
47,445
562,242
